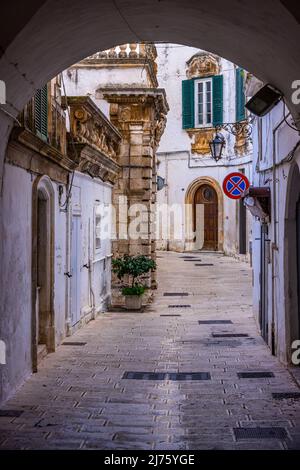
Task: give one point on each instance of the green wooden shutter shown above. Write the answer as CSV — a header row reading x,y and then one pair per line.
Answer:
x,y
41,112
239,96
217,100
188,104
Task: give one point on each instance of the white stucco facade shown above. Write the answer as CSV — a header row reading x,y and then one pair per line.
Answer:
x,y
276,160
181,163
91,266
94,279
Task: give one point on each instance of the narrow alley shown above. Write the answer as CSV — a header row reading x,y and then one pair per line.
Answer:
x,y
99,391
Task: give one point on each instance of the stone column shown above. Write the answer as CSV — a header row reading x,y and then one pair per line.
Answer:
x,y
136,117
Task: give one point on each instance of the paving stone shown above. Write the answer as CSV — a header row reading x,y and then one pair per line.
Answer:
x,y
78,399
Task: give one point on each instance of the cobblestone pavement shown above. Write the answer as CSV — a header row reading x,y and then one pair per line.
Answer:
x,y
78,399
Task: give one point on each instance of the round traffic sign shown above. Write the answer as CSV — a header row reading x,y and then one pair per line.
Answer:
x,y
235,184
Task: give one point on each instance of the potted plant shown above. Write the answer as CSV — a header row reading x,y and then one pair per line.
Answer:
x,y
133,267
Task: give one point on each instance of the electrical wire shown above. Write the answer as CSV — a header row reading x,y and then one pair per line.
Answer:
x,y
286,116
178,75
11,116
290,156
69,190
15,65
126,21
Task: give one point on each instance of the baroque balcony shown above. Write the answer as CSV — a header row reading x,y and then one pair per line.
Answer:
x,y
93,142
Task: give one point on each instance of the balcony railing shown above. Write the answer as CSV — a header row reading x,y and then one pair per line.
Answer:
x,y
142,55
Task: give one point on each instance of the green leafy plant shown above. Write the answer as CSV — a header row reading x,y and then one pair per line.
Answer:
x,y
137,289
134,267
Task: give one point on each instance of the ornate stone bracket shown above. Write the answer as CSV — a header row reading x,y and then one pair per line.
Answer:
x,y
203,64
93,142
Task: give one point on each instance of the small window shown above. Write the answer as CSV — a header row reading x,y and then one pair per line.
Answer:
x,y
41,112
97,228
203,103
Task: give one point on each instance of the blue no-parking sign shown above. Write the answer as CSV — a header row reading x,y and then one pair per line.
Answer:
x,y
235,184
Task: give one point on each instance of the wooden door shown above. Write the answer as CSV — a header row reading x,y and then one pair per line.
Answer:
x,y
207,196
43,304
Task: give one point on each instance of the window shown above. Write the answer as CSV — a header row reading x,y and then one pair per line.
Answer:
x,y
41,112
239,95
97,228
203,103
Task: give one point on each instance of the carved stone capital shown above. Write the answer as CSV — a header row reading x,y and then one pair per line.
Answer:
x,y
155,97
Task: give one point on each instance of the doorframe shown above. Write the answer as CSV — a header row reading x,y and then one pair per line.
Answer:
x,y
75,216
292,300
196,227
42,184
189,204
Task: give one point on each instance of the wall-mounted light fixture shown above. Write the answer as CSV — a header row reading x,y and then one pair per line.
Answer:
x,y
161,183
216,146
264,100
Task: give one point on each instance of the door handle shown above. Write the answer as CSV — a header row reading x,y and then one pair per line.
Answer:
x,y
68,274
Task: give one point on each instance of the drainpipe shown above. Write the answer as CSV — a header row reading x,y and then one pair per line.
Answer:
x,y
275,238
167,194
90,273
68,213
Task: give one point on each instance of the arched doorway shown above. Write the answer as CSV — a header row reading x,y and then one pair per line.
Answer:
x,y
292,260
205,217
43,327
204,204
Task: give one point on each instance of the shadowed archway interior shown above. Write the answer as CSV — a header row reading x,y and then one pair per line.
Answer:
x,y
255,35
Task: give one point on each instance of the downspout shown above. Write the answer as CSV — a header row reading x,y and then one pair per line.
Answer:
x,y
167,194
68,212
275,238
90,274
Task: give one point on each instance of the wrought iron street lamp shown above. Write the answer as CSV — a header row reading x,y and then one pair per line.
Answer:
x,y
216,147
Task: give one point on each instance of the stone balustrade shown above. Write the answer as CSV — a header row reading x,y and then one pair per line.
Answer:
x,y
139,55
128,51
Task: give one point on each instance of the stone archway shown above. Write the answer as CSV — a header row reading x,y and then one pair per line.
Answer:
x,y
190,211
43,318
32,53
292,260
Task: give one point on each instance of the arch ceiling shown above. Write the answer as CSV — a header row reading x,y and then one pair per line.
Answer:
x,y
40,40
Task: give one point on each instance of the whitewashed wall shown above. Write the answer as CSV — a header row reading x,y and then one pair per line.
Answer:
x,y
16,319
286,139
82,81
86,193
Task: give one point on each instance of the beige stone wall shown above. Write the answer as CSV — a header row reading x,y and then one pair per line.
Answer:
x,y
139,119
